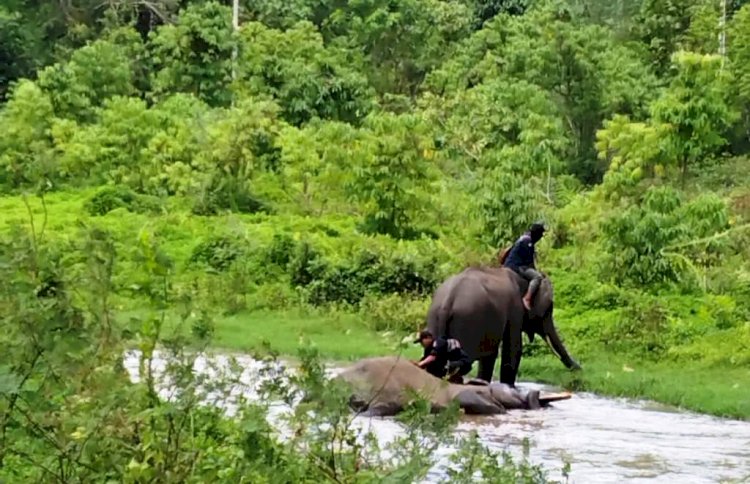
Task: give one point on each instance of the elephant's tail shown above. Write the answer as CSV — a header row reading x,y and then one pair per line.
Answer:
x,y
443,317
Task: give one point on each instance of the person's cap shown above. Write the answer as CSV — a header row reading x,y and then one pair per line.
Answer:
x,y
537,227
422,335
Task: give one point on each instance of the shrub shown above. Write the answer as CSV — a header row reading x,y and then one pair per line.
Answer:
x,y
306,265
110,198
281,250
371,273
274,297
227,195
218,252
394,312
647,244
642,327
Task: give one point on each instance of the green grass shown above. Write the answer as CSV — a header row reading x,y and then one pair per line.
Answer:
x,y
721,391
341,338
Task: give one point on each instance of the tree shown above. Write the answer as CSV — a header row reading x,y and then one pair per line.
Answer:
x,y
514,124
94,74
696,107
637,152
661,25
170,164
391,178
16,42
739,54
306,78
580,66
506,204
402,39
112,149
241,142
316,162
26,137
194,55
638,240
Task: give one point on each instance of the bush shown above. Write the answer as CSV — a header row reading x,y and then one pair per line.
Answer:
x,y
110,198
222,195
218,252
281,250
306,266
647,244
394,312
642,328
371,273
273,297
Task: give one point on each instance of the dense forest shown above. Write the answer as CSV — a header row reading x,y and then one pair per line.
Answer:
x,y
173,180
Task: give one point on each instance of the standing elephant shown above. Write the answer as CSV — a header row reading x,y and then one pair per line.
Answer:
x,y
482,306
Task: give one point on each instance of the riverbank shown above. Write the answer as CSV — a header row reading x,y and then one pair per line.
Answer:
x,y
698,343
718,391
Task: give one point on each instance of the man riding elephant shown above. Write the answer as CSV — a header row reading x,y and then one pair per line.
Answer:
x,y
522,260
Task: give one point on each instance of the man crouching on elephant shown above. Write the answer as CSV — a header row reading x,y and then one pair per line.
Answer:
x,y
522,257
443,357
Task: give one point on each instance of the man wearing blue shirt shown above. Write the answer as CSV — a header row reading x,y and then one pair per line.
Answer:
x,y
522,259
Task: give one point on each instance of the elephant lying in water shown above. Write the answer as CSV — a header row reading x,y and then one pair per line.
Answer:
x,y
382,387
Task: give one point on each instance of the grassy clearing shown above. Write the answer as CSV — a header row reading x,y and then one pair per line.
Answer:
x,y
341,338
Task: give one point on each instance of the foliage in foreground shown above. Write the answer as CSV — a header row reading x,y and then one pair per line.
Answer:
x,y
69,412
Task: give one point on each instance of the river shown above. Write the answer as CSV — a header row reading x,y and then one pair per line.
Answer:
x,y
605,440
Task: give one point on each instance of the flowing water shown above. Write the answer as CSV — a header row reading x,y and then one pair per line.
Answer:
x,y
604,440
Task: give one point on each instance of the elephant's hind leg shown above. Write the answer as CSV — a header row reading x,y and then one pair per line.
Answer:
x,y
381,409
476,404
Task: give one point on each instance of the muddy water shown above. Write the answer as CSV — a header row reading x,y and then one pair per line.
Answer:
x,y
604,440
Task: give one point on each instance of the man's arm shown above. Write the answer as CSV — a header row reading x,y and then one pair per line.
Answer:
x,y
426,361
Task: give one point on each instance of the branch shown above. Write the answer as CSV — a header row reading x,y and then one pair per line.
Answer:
x,y
12,404
704,239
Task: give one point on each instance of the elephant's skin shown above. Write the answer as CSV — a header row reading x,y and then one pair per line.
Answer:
x,y
384,386
482,306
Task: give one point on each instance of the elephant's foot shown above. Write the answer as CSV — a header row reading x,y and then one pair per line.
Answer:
x,y
456,380
532,399
477,382
508,375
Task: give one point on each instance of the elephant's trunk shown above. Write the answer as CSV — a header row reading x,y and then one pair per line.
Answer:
x,y
552,338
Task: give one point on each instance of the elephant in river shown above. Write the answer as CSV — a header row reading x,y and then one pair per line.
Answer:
x,y
482,306
383,387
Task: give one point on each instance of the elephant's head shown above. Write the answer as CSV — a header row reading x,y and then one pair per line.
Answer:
x,y
541,322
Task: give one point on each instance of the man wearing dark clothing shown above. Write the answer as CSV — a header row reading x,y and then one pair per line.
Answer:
x,y
443,357
522,259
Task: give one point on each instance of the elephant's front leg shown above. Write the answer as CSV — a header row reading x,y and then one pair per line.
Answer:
x,y
486,367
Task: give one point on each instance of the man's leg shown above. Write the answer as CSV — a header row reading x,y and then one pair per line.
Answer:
x,y
534,278
458,369
436,371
